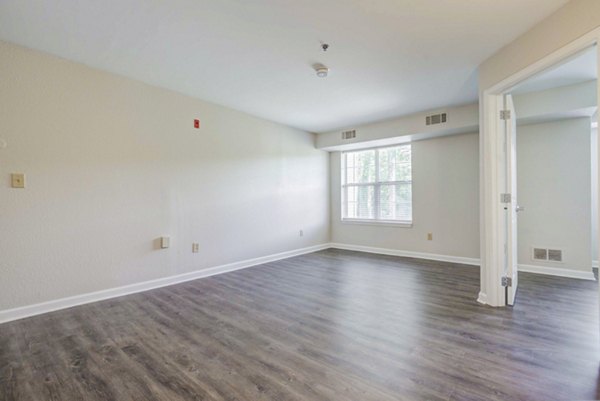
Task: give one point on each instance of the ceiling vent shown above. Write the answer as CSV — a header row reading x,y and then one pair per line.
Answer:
x,y
436,119
349,134
555,255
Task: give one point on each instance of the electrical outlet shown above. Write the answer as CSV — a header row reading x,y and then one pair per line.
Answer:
x,y
429,236
195,247
17,180
301,233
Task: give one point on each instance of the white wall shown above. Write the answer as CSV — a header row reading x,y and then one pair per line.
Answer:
x,y
445,202
112,164
569,101
554,186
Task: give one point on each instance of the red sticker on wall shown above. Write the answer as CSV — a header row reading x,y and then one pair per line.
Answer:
x,y
196,123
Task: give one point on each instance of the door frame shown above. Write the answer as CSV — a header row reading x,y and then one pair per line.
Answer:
x,y
493,165
511,208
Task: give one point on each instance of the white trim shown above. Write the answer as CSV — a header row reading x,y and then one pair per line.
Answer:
x,y
45,307
373,222
556,271
482,298
492,178
408,254
594,264
396,145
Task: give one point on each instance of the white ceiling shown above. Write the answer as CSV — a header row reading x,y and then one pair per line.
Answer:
x,y
581,68
388,57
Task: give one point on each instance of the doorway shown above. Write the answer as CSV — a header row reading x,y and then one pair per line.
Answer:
x,y
500,117
549,199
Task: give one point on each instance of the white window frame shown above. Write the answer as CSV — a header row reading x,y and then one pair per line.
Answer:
x,y
376,184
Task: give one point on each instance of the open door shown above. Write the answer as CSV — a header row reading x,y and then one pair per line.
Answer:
x,y
511,280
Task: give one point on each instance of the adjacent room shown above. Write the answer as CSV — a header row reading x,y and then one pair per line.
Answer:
x,y
556,163
316,200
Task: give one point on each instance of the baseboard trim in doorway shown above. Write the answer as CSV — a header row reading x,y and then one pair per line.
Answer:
x,y
594,264
555,271
408,254
63,303
482,298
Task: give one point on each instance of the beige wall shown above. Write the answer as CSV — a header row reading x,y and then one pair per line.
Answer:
x,y
112,164
445,202
554,186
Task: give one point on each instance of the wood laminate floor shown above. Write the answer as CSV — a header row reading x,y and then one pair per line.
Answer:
x,y
333,325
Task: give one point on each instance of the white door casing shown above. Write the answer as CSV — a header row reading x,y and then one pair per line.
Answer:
x,y
511,208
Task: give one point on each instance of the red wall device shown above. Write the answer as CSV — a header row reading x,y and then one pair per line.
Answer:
x,y
196,123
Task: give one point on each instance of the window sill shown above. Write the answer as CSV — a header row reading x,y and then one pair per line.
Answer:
x,y
387,223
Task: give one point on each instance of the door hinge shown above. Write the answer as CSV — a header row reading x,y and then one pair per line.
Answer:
x,y
505,198
505,114
506,281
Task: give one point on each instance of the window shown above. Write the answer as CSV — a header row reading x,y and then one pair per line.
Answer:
x,y
377,185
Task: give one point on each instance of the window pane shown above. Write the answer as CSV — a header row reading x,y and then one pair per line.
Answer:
x,y
404,202
364,173
403,172
395,202
360,202
386,202
395,164
386,164
360,167
404,154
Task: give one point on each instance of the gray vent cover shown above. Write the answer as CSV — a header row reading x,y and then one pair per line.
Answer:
x,y
436,119
540,254
555,255
551,255
349,134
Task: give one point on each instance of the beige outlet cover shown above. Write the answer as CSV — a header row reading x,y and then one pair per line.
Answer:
x,y
17,180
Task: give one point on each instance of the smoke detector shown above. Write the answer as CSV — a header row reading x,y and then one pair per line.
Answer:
x,y
322,71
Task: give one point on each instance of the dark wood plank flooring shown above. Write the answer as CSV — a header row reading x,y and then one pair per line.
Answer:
x,y
333,325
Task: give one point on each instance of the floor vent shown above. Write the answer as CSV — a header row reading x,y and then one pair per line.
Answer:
x,y
436,119
349,134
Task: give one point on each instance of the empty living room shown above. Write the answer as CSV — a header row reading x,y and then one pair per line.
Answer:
x,y
335,200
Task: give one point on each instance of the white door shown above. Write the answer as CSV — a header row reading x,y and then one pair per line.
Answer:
x,y
511,207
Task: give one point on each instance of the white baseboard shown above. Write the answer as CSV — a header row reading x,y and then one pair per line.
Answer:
x,y
556,271
594,264
482,298
44,307
63,303
408,254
